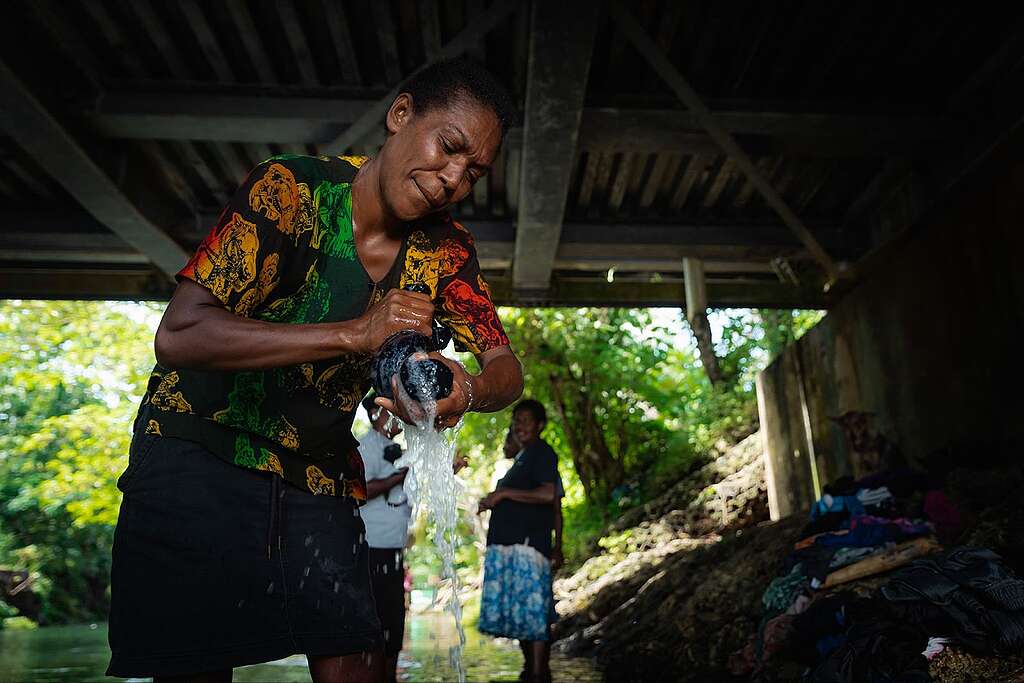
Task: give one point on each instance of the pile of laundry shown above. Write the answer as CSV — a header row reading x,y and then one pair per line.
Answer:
x,y
875,628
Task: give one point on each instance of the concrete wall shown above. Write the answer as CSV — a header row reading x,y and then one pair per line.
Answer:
x,y
930,341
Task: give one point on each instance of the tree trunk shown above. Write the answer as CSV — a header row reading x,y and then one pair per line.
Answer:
x,y
705,344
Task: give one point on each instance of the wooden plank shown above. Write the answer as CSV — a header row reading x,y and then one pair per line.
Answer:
x,y
208,43
341,38
605,163
371,118
561,45
719,184
296,37
695,287
249,36
68,40
157,33
588,181
225,118
234,166
694,172
111,31
28,179
671,75
192,156
747,191
623,176
84,283
384,23
430,27
228,116
35,130
654,180
665,293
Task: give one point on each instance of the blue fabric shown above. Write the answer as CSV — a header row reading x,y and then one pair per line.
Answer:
x,y
517,600
848,504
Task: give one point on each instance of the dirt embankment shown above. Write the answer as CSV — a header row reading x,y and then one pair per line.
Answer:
x,y
676,587
678,584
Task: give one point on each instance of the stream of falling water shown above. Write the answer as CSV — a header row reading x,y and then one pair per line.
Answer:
x,y
432,484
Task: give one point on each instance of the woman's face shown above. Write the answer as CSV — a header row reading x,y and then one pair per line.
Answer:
x,y
432,159
526,427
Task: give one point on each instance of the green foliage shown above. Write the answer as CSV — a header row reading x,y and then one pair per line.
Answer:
x,y
70,376
630,412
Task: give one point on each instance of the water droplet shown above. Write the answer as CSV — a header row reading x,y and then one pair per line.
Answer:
x,y
316,552
337,585
302,583
240,603
309,540
270,588
305,572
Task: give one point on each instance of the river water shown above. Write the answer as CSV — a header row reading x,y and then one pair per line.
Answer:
x,y
79,653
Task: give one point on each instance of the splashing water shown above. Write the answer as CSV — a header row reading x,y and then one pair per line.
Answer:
x,y
432,483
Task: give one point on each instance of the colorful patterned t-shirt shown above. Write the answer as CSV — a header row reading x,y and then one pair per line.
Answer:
x,y
283,251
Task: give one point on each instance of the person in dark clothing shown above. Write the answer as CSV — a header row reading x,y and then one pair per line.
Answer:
x,y
517,600
239,538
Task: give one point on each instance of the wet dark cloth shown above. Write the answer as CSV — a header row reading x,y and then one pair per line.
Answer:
x,y
283,251
514,523
982,600
216,567
387,577
876,653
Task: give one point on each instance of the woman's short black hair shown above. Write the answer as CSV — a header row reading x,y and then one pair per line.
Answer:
x,y
442,82
536,408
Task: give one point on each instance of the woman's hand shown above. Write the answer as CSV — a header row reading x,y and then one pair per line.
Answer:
x,y
451,408
399,310
489,501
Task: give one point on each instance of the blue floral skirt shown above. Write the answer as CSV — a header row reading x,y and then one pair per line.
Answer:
x,y
517,600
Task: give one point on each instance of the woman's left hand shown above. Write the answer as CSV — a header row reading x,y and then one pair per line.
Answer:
x,y
451,408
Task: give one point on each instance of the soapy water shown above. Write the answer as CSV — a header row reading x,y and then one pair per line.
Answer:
x,y
431,483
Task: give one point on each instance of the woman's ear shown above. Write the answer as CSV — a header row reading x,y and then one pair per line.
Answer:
x,y
400,113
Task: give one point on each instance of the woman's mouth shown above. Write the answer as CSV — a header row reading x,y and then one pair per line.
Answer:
x,y
426,197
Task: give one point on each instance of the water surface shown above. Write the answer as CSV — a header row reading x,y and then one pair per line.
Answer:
x,y
63,654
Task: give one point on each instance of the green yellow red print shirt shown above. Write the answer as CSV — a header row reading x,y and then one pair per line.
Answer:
x,y
283,251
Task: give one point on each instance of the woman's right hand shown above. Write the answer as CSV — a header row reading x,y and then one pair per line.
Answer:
x,y
399,310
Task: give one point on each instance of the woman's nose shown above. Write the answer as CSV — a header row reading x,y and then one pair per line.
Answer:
x,y
450,176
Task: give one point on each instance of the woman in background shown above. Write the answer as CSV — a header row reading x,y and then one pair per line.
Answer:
x,y
517,599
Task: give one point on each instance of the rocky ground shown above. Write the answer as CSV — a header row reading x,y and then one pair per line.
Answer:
x,y
675,586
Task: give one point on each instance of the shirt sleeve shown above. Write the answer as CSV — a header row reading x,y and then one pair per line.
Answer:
x,y
239,261
465,299
544,466
371,454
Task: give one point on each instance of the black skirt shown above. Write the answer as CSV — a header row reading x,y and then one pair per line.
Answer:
x,y
216,566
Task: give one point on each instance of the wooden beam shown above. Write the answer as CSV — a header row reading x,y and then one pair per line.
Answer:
x,y
250,118
249,36
208,42
224,118
374,114
675,80
561,44
666,293
341,38
296,37
34,129
696,288
124,284
384,24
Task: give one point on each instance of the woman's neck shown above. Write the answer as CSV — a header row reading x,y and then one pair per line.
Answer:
x,y
368,210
